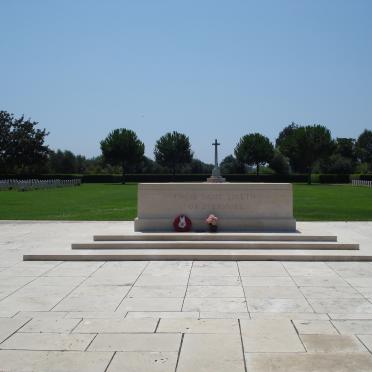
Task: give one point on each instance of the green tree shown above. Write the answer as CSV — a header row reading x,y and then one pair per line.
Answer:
x,y
173,150
345,147
62,162
22,147
6,121
254,149
364,147
279,163
80,164
286,133
337,164
307,145
343,160
122,147
230,165
286,139
197,166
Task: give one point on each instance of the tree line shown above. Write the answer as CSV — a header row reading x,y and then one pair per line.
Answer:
x,y
298,149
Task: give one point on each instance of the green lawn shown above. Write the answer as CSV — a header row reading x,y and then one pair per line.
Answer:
x,y
88,202
102,202
332,203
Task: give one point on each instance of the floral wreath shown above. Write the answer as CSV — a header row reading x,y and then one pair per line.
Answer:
x,y
182,223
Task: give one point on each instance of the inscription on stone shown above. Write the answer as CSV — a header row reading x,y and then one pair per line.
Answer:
x,y
219,200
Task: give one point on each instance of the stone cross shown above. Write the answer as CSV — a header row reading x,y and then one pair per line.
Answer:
x,y
215,144
216,174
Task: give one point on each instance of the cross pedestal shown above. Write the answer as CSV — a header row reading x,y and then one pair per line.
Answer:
x,y
216,174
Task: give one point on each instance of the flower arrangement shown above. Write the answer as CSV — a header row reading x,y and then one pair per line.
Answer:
x,y
212,220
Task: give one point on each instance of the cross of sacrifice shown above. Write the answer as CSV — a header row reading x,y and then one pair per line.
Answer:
x,y
215,144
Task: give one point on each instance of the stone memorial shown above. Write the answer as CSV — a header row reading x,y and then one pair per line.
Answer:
x,y
238,206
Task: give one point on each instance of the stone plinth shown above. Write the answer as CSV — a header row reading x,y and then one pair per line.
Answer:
x,y
239,206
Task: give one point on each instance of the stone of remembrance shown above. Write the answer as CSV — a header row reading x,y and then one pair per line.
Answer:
x,y
239,206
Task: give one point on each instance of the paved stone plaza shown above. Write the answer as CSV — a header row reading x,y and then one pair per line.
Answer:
x,y
177,315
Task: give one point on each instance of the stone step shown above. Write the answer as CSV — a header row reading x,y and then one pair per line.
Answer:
x,y
215,245
204,236
199,255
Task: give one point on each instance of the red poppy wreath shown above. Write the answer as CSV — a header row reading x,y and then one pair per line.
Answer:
x,y
182,223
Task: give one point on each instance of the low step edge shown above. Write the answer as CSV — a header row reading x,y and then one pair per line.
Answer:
x,y
214,237
193,257
218,245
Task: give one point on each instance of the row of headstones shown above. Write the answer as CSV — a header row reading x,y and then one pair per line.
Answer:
x,y
361,183
34,184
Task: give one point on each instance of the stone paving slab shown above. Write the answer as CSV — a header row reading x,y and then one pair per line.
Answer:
x,y
50,325
311,327
332,343
216,326
53,361
219,291
143,362
117,326
157,291
278,305
95,314
180,315
10,326
40,314
211,352
136,342
151,304
309,362
47,341
162,314
262,336
357,326
290,316
367,341
215,304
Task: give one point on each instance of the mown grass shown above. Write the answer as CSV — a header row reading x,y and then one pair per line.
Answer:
x,y
332,203
88,202
104,202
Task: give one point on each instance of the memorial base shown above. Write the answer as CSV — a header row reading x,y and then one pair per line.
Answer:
x,y
238,206
214,179
228,225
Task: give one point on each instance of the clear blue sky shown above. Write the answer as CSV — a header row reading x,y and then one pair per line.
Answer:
x,y
207,68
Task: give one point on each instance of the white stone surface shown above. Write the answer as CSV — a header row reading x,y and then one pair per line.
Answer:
x,y
49,295
47,341
53,361
225,326
50,325
143,362
239,206
263,336
10,326
309,362
136,342
211,352
311,327
116,326
324,343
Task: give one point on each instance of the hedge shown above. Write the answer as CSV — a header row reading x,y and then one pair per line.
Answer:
x,y
117,178
334,178
365,177
98,178
53,176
